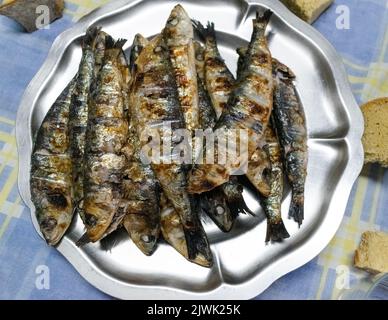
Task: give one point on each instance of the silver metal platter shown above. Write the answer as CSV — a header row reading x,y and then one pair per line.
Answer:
x,y
244,264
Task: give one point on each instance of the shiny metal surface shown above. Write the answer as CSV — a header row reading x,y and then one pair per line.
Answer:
x,y
244,265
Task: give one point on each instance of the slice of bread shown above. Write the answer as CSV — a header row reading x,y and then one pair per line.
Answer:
x,y
308,10
372,253
375,139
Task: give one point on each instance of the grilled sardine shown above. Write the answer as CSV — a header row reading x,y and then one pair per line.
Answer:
x,y
51,170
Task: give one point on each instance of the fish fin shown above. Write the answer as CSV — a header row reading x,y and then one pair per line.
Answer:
x,y
276,232
197,243
238,206
296,211
236,203
262,20
110,43
113,48
208,32
83,240
89,40
280,67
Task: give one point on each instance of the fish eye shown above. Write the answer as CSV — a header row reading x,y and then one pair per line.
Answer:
x,y
90,220
147,238
220,210
173,21
200,57
57,199
158,49
49,224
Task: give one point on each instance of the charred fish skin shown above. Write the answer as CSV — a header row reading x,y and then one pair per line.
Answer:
x,y
140,187
106,135
249,108
223,205
291,127
142,219
213,203
219,81
139,42
242,52
155,100
173,232
78,116
122,64
99,51
178,35
51,171
276,230
259,164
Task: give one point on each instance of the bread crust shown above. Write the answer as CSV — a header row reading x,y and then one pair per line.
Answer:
x,y
375,138
372,253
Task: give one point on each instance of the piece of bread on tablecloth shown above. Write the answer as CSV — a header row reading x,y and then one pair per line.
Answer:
x,y
372,253
375,138
308,10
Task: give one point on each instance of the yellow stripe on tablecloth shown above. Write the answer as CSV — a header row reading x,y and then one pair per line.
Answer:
x,y
354,79
385,46
376,197
8,138
84,7
8,219
7,121
8,185
378,83
355,66
375,85
362,183
7,156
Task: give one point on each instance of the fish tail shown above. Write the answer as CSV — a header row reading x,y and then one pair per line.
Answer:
x,y
296,210
113,48
204,33
262,20
89,40
83,240
197,243
286,72
110,43
276,231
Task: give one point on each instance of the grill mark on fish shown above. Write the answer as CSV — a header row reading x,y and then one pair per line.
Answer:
x,y
217,203
178,36
153,65
271,204
241,112
51,170
219,81
78,115
173,232
104,168
140,187
291,127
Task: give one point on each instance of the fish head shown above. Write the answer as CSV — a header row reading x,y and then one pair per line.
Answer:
x,y
53,226
140,40
214,204
142,232
173,233
178,30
